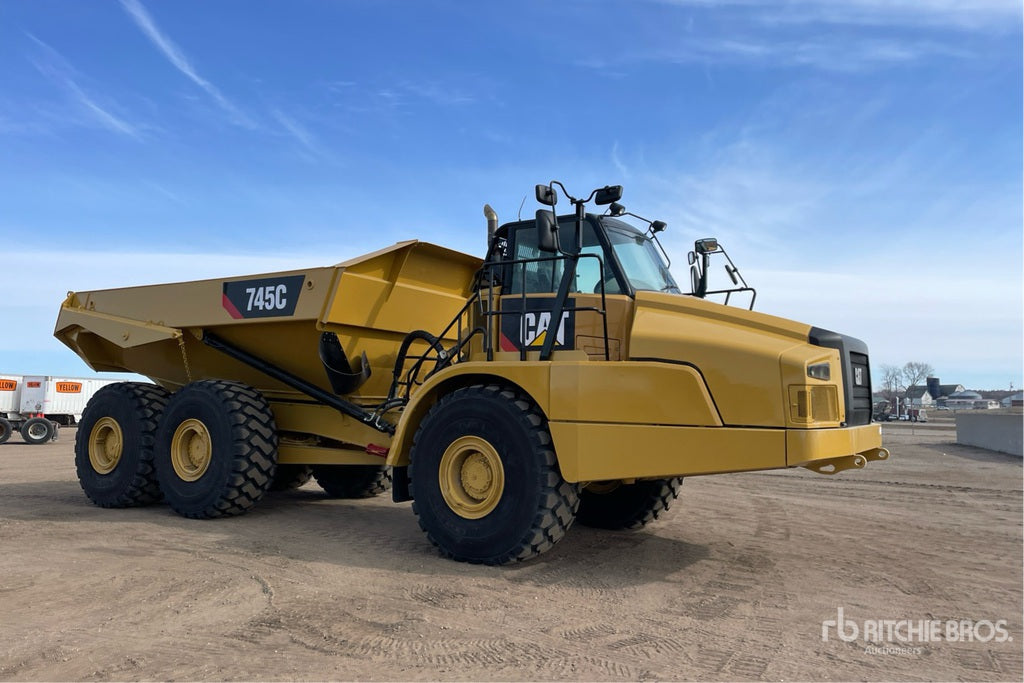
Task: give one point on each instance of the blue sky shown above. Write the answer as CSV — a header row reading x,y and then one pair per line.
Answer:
x,y
860,159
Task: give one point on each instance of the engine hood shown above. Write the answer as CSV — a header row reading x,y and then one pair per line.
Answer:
x,y
740,353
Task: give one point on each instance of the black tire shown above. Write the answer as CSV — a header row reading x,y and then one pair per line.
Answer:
x,y
352,481
6,429
37,430
472,439
216,449
288,477
609,505
114,445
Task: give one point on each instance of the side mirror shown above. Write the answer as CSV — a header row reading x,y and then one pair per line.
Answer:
x,y
546,195
658,226
547,231
608,194
692,257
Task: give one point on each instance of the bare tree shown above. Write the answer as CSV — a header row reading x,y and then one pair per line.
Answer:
x,y
915,373
891,377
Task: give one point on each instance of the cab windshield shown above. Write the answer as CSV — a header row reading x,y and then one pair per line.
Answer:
x,y
639,258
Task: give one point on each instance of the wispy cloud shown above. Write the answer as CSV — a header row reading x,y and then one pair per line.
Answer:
x,y
617,161
837,54
299,132
181,62
973,15
439,93
59,71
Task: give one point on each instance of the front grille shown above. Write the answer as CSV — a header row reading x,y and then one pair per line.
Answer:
x,y
858,411
856,373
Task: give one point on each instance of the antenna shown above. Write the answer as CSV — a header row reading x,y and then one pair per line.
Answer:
x,y
519,216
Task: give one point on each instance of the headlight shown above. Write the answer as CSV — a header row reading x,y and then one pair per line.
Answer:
x,y
820,371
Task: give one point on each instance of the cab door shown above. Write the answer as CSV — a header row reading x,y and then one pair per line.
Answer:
x,y
533,278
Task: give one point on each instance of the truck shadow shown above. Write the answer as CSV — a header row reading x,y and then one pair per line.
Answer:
x,y
305,526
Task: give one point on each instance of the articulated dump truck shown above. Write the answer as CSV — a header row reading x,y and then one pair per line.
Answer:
x,y
565,377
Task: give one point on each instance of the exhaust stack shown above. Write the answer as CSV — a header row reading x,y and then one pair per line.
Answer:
x,y
492,224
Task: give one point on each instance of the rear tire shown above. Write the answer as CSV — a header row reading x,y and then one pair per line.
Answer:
x,y
288,477
484,478
6,429
216,449
114,445
610,505
352,481
37,430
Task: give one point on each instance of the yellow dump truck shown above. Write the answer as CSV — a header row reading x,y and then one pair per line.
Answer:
x,y
564,377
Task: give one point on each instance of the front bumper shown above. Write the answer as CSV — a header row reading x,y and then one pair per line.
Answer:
x,y
828,451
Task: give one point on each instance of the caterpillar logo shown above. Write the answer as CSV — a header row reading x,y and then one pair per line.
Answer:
x,y
531,329
69,387
8,384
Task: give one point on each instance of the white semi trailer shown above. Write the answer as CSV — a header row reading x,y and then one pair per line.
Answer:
x,y
38,405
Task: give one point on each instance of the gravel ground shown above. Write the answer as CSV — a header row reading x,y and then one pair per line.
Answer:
x,y
733,584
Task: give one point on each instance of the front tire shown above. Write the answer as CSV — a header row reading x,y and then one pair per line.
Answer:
x,y
216,449
114,445
37,430
612,505
484,478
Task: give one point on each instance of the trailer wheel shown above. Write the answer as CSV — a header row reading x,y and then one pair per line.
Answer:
x,y
352,481
288,477
37,430
485,482
6,428
114,444
613,505
216,449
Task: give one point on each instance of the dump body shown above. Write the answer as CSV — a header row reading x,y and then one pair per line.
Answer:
x,y
370,302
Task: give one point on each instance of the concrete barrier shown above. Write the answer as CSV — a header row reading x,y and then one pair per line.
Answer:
x,y
995,430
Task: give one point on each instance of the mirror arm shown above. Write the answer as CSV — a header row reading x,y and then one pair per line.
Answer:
x,y
668,261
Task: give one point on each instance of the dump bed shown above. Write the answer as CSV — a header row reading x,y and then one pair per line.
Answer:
x,y
370,302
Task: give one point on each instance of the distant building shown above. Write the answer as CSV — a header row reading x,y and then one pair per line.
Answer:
x,y
920,397
932,394
970,400
1014,400
941,392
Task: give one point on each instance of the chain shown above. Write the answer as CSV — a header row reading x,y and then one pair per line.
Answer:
x,y
184,357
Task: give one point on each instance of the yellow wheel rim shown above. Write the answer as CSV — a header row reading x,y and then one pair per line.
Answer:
x,y
472,477
106,445
603,487
191,450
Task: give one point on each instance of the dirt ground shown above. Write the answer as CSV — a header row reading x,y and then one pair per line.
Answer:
x,y
733,584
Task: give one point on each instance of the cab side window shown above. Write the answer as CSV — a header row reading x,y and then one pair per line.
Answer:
x,y
543,277
536,277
